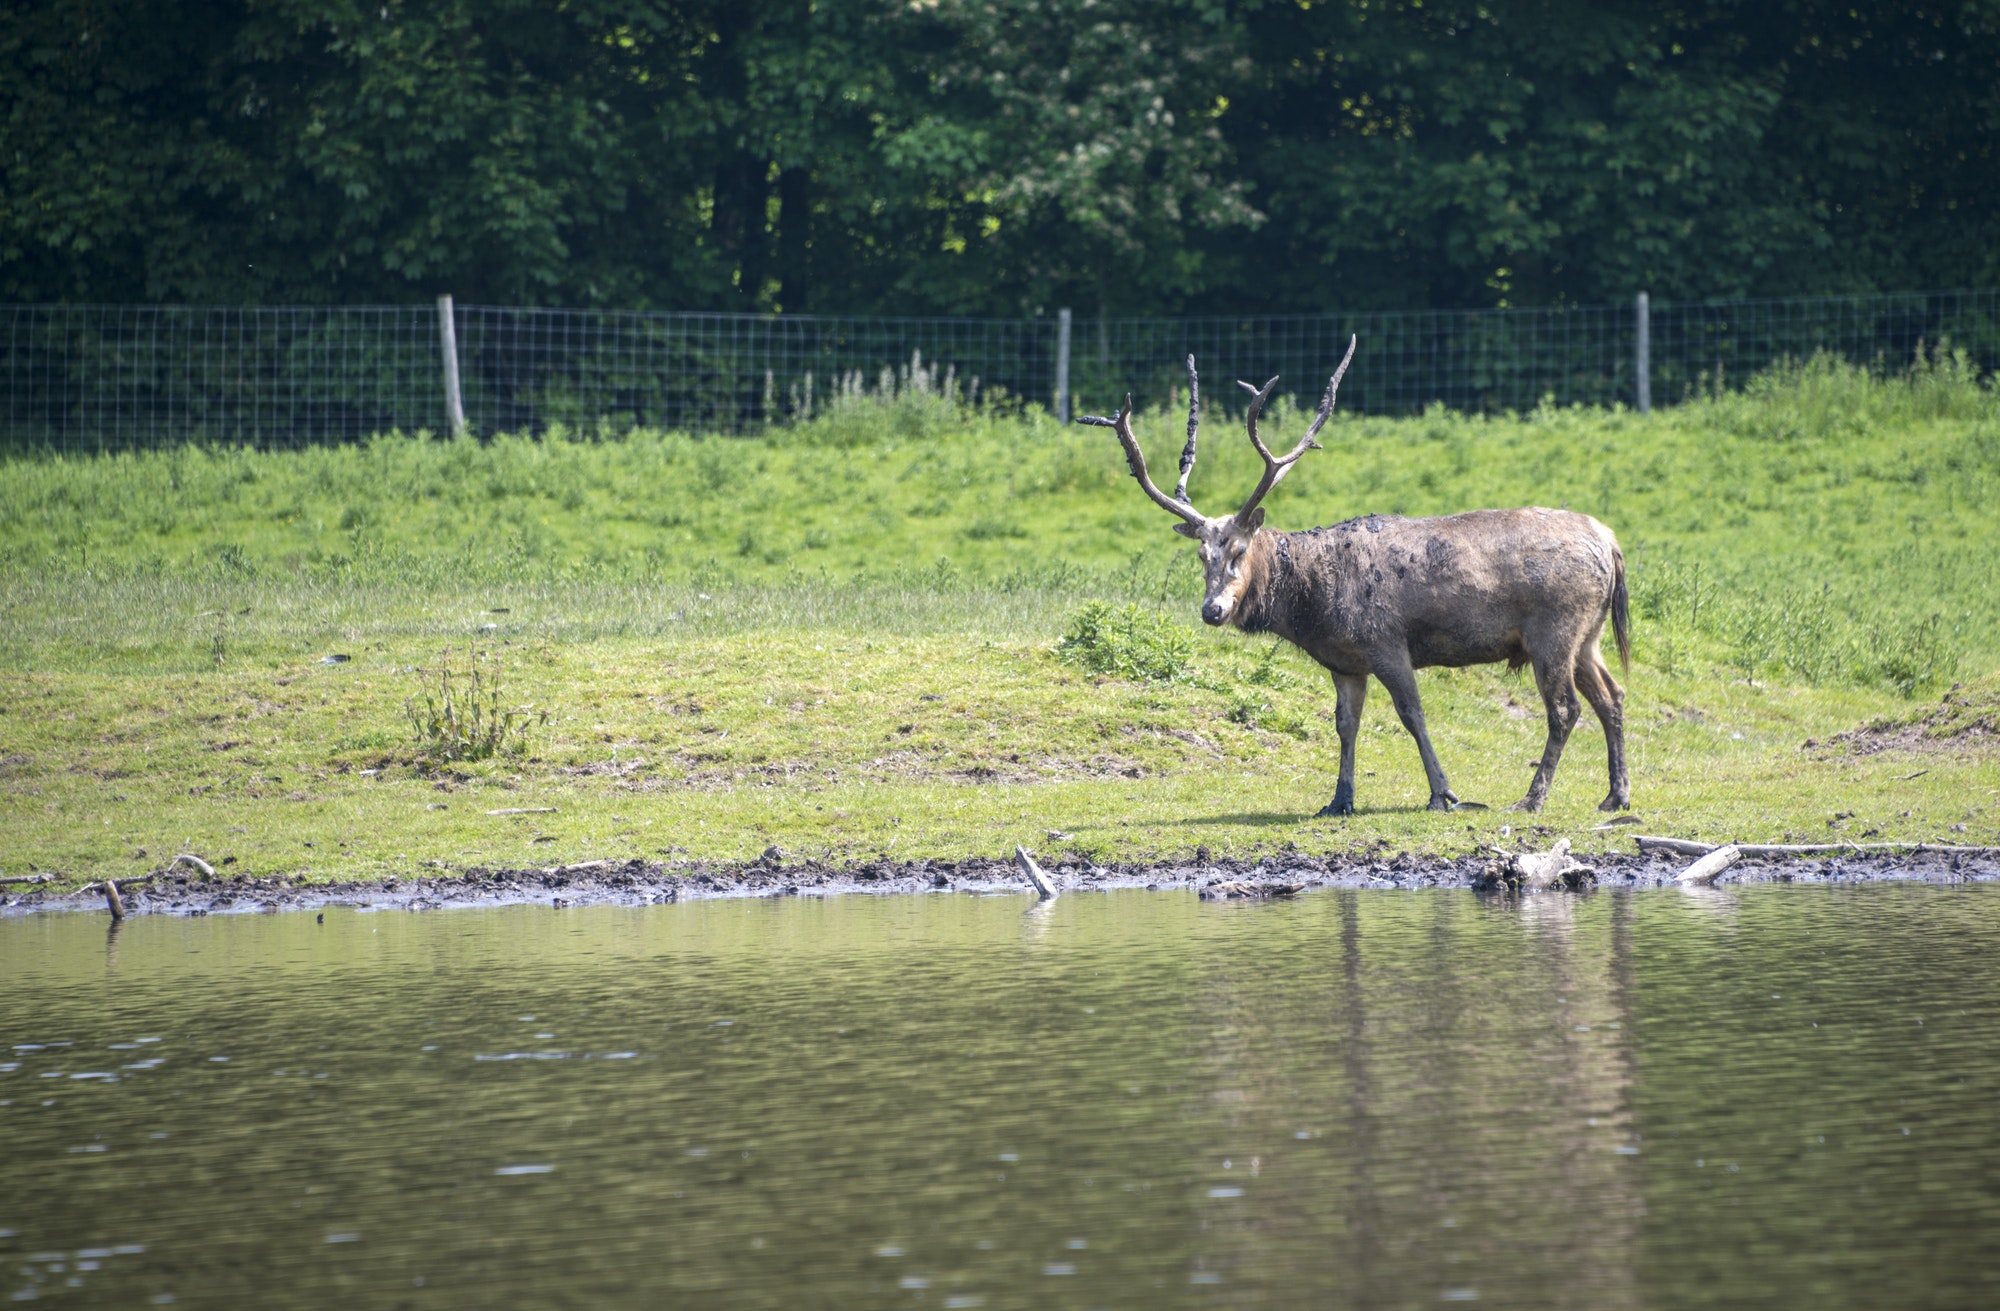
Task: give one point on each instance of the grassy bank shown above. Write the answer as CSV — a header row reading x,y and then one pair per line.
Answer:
x,y
841,638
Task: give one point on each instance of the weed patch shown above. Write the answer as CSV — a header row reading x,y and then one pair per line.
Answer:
x,y
462,720
1128,642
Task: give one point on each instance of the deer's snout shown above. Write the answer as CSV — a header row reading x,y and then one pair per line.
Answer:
x,y
1215,610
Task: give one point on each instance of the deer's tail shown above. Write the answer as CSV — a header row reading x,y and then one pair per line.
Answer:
x,y
1621,612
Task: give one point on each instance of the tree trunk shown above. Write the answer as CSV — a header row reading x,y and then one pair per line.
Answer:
x,y
794,239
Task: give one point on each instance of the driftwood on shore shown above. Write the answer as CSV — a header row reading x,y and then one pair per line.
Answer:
x,y
6,879
1685,847
1703,871
109,888
1044,886
1242,890
1531,871
123,880
113,902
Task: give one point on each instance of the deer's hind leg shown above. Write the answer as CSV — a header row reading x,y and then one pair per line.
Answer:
x,y
1555,676
1594,680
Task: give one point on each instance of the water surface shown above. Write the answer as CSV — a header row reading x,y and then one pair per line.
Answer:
x,y
1778,1097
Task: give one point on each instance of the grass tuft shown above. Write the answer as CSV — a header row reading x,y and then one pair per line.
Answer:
x,y
464,722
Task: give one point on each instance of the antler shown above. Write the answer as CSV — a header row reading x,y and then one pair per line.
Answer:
x,y
1275,469
1194,418
1122,426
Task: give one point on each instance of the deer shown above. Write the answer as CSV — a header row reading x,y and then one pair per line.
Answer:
x,y
1384,596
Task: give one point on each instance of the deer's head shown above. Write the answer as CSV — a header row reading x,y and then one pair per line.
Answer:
x,y
1227,542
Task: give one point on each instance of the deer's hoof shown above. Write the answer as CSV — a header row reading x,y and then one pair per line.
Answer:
x,y
1443,801
1530,805
1615,802
1336,808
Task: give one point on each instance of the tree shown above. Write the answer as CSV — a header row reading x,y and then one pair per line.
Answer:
x,y
1477,153
994,156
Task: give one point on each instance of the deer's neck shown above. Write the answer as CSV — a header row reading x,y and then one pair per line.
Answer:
x,y
1265,606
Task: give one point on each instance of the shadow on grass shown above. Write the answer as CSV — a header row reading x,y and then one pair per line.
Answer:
x,y
1277,819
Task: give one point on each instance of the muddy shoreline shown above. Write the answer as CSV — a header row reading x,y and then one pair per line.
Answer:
x,y
640,883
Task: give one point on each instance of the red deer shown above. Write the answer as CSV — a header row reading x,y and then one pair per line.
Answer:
x,y
1387,596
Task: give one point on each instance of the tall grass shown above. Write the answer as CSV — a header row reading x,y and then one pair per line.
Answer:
x,y
1826,524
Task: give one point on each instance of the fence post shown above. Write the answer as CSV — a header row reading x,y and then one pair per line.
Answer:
x,y
1062,365
454,403
1642,355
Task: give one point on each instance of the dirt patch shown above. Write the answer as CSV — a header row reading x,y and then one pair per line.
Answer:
x,y
640,883
607,768
698,773
1966,721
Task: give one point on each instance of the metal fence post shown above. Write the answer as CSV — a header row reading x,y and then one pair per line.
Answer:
x,y
1642,355
454,403
1062,365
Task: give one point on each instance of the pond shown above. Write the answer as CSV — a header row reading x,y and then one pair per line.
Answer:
x,y
1771,1097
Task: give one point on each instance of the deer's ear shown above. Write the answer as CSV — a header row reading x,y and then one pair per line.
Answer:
x,y
1252,521
1187,530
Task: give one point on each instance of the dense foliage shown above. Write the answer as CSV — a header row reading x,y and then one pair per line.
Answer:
x,y
971,156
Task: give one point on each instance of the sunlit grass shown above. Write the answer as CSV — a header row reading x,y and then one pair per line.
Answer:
x,y
849,745
762,623
1810,528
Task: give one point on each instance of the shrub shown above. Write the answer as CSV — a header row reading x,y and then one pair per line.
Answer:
x,y
915,403
465,722
1911,658
1128,642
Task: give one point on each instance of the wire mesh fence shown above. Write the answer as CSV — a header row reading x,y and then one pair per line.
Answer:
x,y
595,372
96,378
104,377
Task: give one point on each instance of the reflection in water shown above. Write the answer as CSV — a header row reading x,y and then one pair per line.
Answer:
x,y
1037,918
1356,1099
1449,1116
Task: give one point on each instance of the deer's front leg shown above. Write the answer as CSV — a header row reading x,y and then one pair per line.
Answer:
x,y
1350,690
1400,679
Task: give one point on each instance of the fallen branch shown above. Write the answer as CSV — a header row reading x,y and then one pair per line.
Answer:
x,y
1044,886
1532,871
1235,889
189,858
1703,871
580,867
1684,847
123,880
524,810
112,899
27,878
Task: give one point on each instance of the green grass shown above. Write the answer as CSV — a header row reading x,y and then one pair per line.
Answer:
x,y
735,639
